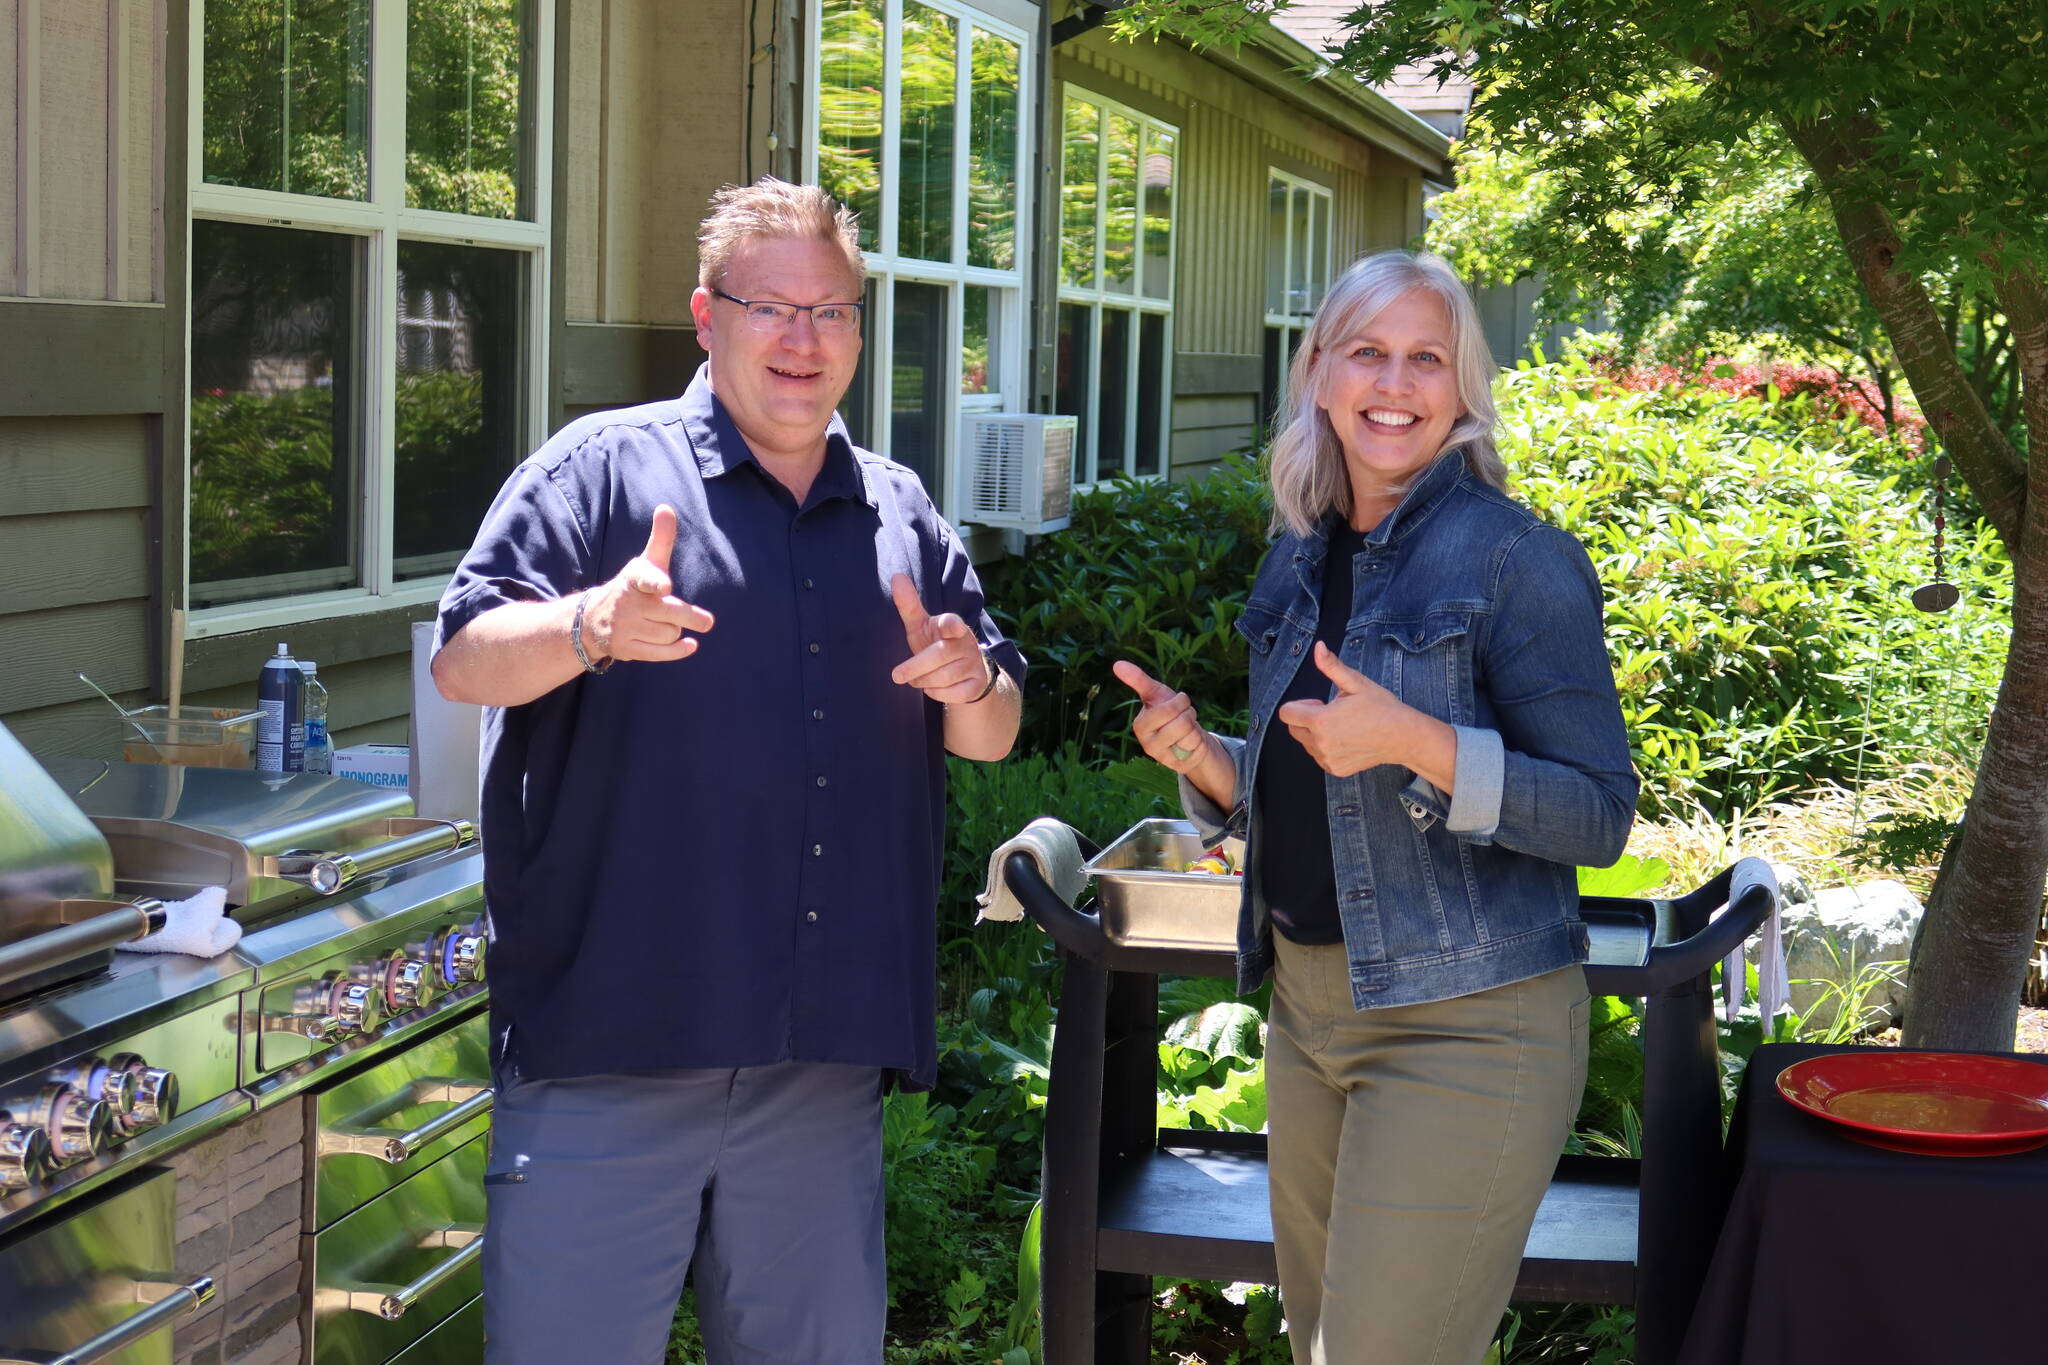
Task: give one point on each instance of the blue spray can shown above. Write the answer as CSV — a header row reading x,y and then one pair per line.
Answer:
x,y
281,732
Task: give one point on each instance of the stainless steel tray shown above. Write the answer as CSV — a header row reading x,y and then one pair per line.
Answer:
x,y
1146,901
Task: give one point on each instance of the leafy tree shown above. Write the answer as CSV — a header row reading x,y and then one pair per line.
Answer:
x,y
1921,128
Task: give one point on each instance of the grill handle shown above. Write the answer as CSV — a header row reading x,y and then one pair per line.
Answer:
x,y
391,1302
328,873
100,924
396,1147
182,1299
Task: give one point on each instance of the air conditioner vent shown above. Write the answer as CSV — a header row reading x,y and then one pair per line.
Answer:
x,y
1021,470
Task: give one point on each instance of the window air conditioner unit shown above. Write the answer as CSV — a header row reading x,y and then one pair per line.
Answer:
x,y
1021,469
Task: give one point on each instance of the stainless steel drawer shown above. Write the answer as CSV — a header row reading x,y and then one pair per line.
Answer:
x,y
457,1341
97,1280
391,1271
401,1115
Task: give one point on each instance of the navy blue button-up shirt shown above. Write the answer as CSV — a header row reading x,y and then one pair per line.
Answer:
x,y
732,859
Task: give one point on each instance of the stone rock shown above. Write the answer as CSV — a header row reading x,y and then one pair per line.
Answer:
x,y
1844,931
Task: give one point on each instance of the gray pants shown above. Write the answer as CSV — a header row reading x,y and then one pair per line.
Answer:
x,y
604,1190
1409,1149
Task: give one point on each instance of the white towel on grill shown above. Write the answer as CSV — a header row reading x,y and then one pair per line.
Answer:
x,y
198,926
1773,990
1050,843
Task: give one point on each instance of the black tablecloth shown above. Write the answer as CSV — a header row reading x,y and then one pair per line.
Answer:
x,y
1834,1251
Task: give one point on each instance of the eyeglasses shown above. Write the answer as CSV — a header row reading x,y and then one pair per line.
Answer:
x,y
831,319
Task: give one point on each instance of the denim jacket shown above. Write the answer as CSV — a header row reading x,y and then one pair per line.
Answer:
x,y
1468,608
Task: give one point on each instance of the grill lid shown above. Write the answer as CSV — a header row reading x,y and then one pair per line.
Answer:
x,y
49,851
175,830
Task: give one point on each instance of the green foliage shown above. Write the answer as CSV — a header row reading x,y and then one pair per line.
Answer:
x,y
1757,565
1154,572
269,493
1234,1324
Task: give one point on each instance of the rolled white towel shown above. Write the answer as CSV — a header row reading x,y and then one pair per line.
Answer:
x,y
198,926
1773,990
1050,843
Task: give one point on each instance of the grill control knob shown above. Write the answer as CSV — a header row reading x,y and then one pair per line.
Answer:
x,y
408,985
109,1083
78,1125
401,978
462,957
333,1008
153,1094
24,1154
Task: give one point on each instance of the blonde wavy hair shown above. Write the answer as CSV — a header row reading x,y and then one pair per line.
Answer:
x,y
771,208
1306,464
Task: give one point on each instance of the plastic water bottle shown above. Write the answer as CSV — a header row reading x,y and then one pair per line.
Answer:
x,y
281,697
319,749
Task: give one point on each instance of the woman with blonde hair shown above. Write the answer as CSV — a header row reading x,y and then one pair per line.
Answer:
x,y
1434,747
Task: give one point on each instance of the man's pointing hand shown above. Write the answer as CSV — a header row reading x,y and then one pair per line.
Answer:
x,y
636,615
945,660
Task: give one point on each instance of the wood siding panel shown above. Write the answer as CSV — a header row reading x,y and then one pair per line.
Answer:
x,y
73,558
142,279
358,694
75,729
582,114
45,650
72,464
630,72
70,221
1215,410
10,141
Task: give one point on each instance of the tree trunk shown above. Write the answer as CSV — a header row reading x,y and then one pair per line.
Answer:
x,y
1970,962
1970,958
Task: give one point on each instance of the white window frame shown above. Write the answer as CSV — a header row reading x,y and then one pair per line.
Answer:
x,y
382,220
1010,374
1291,325
1099,296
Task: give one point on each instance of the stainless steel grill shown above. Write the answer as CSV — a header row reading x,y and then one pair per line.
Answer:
x,y
355,993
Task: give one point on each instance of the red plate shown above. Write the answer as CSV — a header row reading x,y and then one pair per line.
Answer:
x,y
1950,1103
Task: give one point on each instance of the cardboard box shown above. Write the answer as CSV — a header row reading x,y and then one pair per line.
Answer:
x,y
380,765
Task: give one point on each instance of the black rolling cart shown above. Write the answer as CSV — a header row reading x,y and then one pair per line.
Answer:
x,y
1126,1200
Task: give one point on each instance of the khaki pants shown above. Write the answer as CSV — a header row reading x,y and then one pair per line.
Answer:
x,y
1409,1149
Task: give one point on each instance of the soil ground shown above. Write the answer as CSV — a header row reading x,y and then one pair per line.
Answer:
x,y
2031,1035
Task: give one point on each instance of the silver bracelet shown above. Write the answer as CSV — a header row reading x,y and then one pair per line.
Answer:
x,y
576,637
995,675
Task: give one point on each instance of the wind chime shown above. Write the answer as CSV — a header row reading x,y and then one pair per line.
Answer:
x,y
1941,594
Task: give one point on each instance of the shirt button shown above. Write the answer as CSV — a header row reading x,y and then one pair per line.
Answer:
x,y
1297,648
815,646
817,850
808,583
810,917
817,714
821,779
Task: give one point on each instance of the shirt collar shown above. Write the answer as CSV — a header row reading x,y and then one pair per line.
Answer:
x,y
720,448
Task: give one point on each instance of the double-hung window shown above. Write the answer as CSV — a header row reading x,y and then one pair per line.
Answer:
x,y
369,256
918,121
1297,273
1114,362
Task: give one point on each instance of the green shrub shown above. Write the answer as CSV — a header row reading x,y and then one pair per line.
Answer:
x,y
1149,571
1757,561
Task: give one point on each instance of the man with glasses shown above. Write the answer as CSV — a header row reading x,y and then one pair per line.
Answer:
x,y
725,654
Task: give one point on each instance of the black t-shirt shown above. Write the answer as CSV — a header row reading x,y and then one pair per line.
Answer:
x,y
1295,871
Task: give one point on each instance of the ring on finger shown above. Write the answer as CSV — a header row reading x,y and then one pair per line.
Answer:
x,y
1180,753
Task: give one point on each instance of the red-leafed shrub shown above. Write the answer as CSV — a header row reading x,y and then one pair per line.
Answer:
x,y
1832,394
